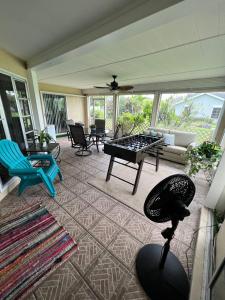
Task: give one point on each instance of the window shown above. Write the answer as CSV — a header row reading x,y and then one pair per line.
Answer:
x,y
135,113
215,112
55,111
189,112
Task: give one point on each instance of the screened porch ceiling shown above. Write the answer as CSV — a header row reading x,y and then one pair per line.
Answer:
x,y
183,42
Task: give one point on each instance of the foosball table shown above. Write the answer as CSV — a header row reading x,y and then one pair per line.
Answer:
x,y
133,149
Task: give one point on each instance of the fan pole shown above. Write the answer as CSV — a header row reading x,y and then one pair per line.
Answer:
x,y
168,234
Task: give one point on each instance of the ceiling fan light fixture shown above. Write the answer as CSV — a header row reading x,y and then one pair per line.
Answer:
x,y
114,86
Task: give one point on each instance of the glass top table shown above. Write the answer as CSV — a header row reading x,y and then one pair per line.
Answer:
x,y
51,148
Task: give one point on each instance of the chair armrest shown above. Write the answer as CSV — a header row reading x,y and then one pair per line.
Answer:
x,y
41,157
191,145
24,171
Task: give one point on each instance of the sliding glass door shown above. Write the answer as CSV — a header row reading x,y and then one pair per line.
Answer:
x,y
101,107
16,120
55,111
9,103
4,175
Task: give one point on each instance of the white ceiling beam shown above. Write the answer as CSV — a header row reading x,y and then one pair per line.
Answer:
x,y
191,85
137,10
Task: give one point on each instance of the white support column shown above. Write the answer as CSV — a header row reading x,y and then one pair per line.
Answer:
x,y
219,131
115,110
155,108
35,100
216,195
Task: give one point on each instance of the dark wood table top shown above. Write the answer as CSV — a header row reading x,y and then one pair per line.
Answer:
x,y
35,148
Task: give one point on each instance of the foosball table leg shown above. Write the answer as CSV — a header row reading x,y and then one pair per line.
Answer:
x,y
110,168
140,165
157,161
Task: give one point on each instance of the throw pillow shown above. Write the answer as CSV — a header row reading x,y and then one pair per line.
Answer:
x,y
169,139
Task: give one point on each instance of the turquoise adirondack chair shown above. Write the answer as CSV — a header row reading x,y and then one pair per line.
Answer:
x,y
19,165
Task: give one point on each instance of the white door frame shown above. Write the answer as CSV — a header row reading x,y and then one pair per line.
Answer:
x,y
7,135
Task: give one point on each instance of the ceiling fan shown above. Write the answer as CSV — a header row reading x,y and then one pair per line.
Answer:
x,y
114,86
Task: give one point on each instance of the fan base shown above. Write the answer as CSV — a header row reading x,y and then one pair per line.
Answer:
x,y
169,283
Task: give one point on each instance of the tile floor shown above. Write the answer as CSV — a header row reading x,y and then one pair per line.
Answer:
x,y
109,234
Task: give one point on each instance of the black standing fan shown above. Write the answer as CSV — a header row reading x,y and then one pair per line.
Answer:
x,y
159,271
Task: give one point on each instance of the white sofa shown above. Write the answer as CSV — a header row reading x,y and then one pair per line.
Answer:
x,y
183,140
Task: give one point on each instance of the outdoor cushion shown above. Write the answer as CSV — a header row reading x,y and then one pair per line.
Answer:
x,y
183,138
175,149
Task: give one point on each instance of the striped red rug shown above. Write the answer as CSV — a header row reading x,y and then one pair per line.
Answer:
x,y
32,244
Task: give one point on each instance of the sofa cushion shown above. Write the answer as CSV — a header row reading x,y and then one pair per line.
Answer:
x,y
175,149
183,138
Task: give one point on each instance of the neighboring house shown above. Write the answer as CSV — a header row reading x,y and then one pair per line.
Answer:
x,y
205,105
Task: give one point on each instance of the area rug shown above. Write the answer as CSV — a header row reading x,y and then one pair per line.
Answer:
x,y
32,245
122,191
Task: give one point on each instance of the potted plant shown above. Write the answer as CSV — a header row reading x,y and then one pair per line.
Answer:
x,y
204,157
44,138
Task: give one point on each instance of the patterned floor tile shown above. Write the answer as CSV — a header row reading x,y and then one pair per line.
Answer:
x,y
106,276
91,195
119,214
125,248
109,274
132,290
65,197
75,205
50,204
70,181
81,292
36,197
67,168
57,284
60,187
184,233
192,220
74,229
31,190
139,227
104,204
88,217
91,170
82,176
9,208
89,250
156,236
104,231
79,188
180,249
61,216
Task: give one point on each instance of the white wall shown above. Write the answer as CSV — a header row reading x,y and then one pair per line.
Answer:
x,y
215,194
76,108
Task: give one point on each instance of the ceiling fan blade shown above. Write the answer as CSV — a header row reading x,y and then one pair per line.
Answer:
x,y
101,87
125,87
